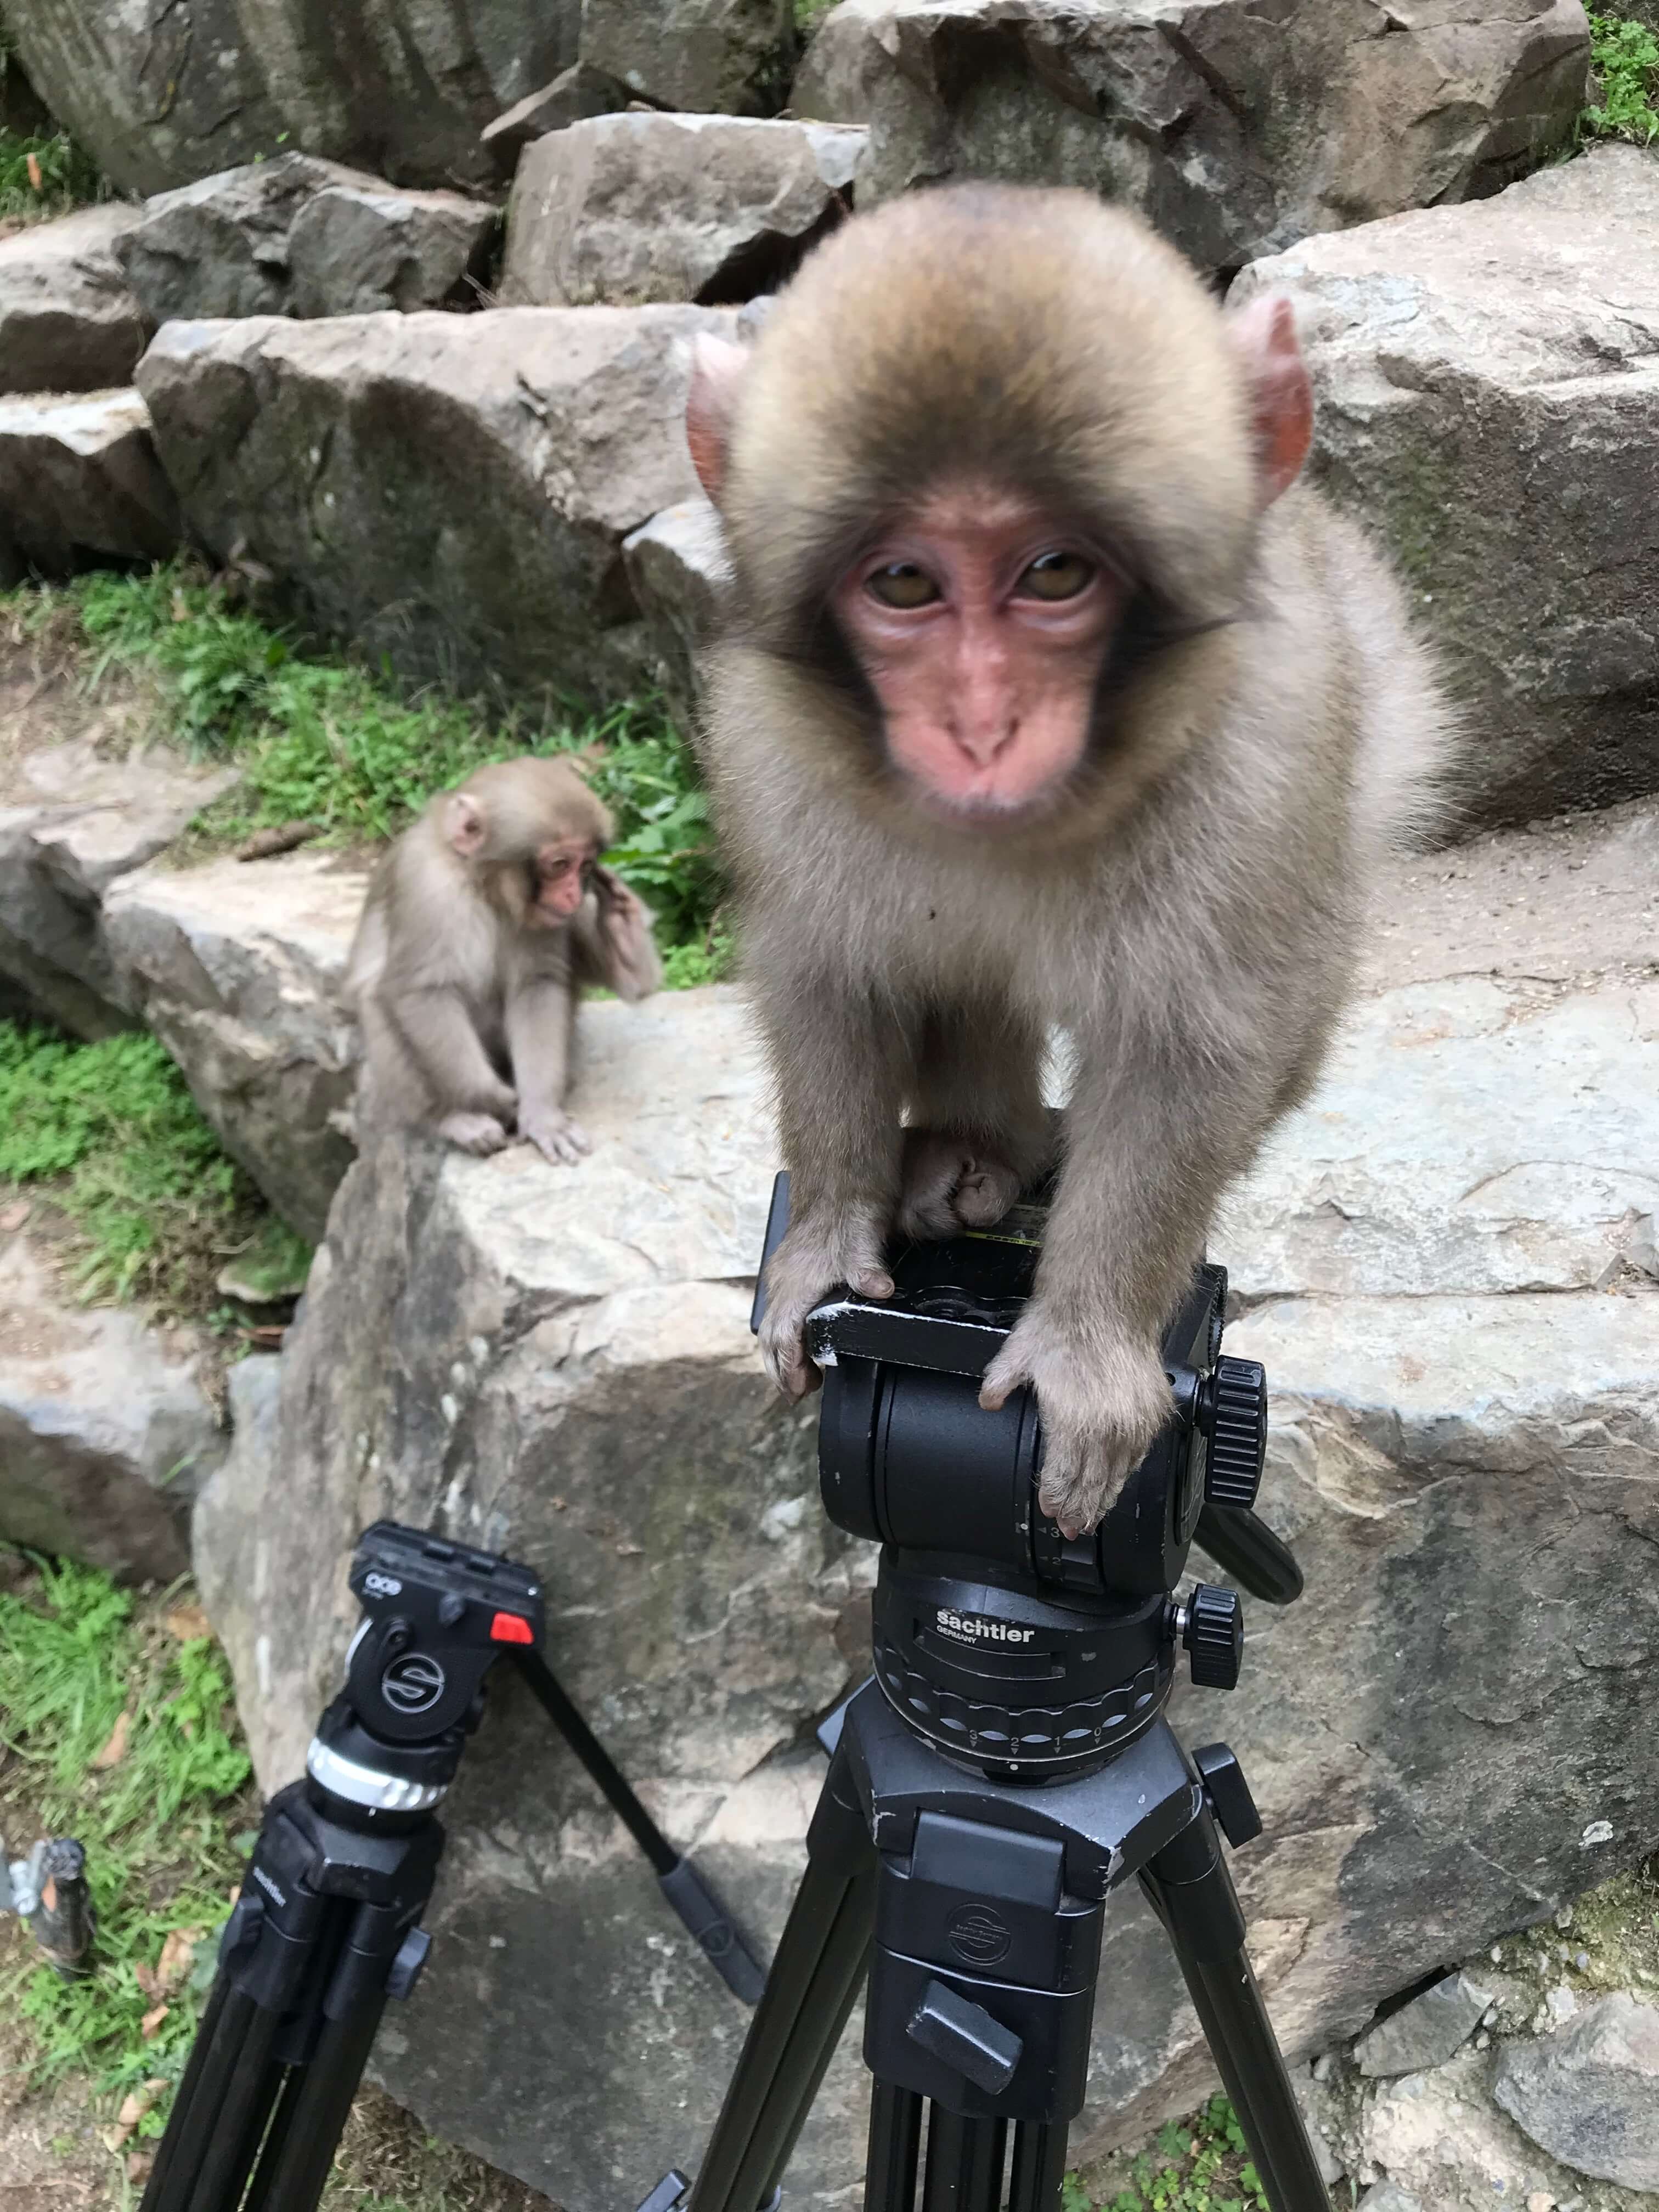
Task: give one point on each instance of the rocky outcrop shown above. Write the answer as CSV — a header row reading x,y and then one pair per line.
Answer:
x,y
105,1433
1235,131
726,56
710,208
163,94
677,565
236,967
80,483
1488,387
1432,1261
302,237
69,321
74,820
451,491
574,94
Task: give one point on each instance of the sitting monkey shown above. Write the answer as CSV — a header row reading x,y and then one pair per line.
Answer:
x,y
481,927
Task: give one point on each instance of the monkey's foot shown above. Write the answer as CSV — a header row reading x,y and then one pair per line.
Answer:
x,y
951,1183
814,1257
474,1132
556,1136
1103,1398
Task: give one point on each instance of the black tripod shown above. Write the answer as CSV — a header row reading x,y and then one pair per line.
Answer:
x,y
1009,1766
326,1927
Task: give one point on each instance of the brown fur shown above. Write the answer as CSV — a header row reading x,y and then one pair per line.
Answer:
x,y
468,1008
1186,911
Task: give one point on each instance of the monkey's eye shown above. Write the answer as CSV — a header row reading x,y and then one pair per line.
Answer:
x,y
1056,576
901,584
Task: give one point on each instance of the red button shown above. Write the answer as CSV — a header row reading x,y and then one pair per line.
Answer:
x,y
511,1628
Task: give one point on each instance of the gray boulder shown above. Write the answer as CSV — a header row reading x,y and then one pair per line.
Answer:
x,y
236,967
450,490
1235,133
161,95
69,321
80,483
1466,1379
575,94
74,819
704,56
1588,2094
556,1362
710,208
1486,400
302,237
105,1433
1425,2032
677,565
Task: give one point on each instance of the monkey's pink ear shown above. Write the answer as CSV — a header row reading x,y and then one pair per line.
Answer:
x,y
1263,335
464,824
718,368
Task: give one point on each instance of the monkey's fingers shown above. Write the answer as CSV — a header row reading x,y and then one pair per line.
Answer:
x,y
474,1132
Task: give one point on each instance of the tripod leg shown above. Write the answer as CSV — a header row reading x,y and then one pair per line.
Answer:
x,y
965,2159
889,2173
811,1989
1039,2167
316,2102
1192,1892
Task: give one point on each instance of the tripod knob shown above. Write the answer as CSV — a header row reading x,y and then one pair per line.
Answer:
x,y
1236,1410
1214,1636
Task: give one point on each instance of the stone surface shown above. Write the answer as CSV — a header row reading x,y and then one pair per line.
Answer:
x,y
72,821
1237,131
80,482
162,94
558,1364
69,321
676,566
704,56
1487,381
393,472
1590,2094
235,967
105,1433
1425,2032
1447,2147
575,94
710,208
302,237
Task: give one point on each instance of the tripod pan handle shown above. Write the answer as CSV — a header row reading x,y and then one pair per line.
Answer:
x,y
714,1930
1248,1550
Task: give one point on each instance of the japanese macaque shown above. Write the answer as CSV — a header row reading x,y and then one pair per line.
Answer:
x,y
482,924
1047,698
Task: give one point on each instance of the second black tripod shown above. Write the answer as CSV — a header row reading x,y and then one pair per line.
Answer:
x,y
327,1925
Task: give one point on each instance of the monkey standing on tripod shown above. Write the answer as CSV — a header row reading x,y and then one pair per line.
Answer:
x,y
1046,697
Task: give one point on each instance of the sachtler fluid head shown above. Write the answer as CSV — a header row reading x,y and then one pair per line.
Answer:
x,y
995,1637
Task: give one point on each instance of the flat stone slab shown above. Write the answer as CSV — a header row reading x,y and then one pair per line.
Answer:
x,y
1425,2032
69,319
79,481
1590,2094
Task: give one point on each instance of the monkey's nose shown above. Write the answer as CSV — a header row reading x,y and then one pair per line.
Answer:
x,y
984,737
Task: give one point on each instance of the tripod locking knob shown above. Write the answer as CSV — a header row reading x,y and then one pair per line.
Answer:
x,y
1236,1410
1213,1633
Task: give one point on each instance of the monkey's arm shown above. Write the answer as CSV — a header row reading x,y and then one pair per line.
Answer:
x,y
1153,1134
612,940
437,1030
540,1019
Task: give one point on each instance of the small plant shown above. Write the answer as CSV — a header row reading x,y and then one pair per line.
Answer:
x,y
120,1732
112,1127
1625,55
1199,2165
45,176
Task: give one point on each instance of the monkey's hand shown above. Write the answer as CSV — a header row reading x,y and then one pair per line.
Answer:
x,y
814,1257
1103,1396
950,1182
474,1132
554,1135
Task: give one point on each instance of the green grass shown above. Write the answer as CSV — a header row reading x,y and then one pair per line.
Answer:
x,y
1625,53
157,1823
1199,2165
322,740
67,176
114,1132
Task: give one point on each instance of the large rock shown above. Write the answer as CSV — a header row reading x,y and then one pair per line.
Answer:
x,y
69,321
449,491
236,967
556,1364
1237,131
1590,2094
1488,397
574,94
1425,2032
162,93
105,1433
74,819
80,483
678,566
302,237
710,208
705,57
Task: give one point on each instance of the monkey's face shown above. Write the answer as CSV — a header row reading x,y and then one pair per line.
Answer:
x,y
982,630
561,874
